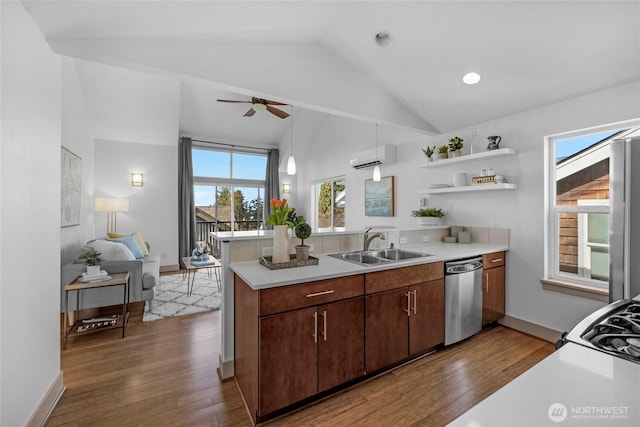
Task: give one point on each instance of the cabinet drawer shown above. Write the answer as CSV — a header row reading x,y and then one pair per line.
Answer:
x,y
495,259
380,281
284,298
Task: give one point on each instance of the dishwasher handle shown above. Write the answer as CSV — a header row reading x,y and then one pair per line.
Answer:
x,y
463,266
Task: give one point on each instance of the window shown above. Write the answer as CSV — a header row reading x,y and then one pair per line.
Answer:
x,y
329,204
579,210
228,190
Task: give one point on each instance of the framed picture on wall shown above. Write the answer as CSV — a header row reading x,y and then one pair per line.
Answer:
x,y
71,188
379,197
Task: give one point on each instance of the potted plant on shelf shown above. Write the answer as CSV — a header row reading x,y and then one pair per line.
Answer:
x,y
302,231
91,259
428,216
429,152
443,152
455,145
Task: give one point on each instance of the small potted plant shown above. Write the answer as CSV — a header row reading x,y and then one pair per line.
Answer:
x,y
302,231
429,152
443,152
91,259
428,216
455,145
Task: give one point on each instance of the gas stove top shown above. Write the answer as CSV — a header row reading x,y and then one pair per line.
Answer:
x,y
614,329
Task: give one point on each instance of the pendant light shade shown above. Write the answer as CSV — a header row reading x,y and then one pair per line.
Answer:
x,y
376,170
291,163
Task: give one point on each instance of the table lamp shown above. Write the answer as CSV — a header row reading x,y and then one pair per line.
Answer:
x,y
112,207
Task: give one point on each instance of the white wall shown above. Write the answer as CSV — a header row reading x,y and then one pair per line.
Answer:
x,y
519,210
153,208
29,217
77,137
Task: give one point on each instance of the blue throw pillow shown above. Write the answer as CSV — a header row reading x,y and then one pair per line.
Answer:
x,y
131,243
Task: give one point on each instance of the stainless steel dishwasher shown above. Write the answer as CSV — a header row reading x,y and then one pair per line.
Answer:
x,y
462,299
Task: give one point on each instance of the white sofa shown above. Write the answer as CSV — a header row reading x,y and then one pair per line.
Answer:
x,y
144,275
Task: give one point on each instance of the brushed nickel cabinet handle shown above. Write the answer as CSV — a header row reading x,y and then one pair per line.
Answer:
x,y
315,327
317,294
486,278
408,309
324,326
415,301
496,260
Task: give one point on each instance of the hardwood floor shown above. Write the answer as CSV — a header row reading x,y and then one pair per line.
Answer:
x,y
164,374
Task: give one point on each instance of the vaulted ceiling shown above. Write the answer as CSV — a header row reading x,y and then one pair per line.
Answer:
x,y
322,56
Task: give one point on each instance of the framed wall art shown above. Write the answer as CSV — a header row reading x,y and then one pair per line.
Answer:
x,y
71,188
379,197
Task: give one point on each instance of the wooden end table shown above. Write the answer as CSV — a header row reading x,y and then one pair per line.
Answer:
x,y
88,326
190,271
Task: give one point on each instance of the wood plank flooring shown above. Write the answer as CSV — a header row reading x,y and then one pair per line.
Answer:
x,y
164,374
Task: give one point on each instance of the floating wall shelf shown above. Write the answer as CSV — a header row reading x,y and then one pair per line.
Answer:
x,y
485,155
479,187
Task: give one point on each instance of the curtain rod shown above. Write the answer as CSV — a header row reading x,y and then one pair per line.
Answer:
x,y
232,145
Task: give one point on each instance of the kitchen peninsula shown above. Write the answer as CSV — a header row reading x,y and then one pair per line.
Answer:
x,y
238,247
335,323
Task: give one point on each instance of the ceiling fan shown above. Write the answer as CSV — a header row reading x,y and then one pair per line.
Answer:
x,y
259,104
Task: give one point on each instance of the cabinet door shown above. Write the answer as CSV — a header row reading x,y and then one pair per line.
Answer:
x,y
493,295
288,359
340,342
386,329
426,320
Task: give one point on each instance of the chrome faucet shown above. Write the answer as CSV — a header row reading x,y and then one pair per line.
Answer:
x,y
368,239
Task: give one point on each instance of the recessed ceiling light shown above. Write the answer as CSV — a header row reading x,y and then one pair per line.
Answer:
x,y
383,38
471,78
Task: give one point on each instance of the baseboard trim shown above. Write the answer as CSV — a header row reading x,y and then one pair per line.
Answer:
x,y
48,402
226,370
530,328
170,268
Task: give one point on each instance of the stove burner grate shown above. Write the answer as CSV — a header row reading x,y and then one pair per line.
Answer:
x,y
618,333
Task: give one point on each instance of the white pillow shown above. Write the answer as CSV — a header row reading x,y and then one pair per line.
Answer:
x,y
112,251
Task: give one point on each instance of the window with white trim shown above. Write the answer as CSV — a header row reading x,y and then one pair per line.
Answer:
x,y
329,204
577,244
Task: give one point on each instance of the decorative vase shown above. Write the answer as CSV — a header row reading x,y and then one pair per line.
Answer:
x,y
302,252
280,244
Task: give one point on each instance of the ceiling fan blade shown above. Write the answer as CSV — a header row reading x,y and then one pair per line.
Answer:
x,y
277,112
249,113
266,101
231,100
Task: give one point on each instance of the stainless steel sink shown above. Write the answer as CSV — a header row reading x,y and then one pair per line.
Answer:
x,y
397,254
377,257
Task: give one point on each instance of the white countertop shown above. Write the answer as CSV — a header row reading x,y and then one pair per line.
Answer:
x,y
258,276
591,387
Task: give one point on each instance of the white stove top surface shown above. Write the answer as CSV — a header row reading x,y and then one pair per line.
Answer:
x,y
575,386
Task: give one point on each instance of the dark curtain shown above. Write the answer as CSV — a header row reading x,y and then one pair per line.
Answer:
x,y
186,204
272,182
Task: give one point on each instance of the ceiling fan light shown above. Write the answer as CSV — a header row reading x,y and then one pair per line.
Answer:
x,y
259,106
291,166
376,173
471,78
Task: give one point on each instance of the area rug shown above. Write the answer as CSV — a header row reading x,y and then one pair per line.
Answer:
x,y
171,297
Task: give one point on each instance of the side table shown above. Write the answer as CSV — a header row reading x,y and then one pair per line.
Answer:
x,y
87,326
190,270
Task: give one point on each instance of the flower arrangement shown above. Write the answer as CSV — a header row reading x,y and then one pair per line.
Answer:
x,y
279,212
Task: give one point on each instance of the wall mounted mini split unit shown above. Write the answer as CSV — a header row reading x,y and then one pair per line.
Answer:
x,y
386,154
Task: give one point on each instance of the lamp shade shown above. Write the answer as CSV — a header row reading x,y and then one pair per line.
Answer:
x,y
111,205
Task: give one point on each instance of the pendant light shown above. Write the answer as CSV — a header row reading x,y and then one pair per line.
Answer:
x,y
376,170
291,163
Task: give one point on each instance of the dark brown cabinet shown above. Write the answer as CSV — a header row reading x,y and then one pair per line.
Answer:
x,y
286,352
493,287
403,321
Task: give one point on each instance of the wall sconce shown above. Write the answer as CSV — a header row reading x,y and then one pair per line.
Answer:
x,y
286,188
136,180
